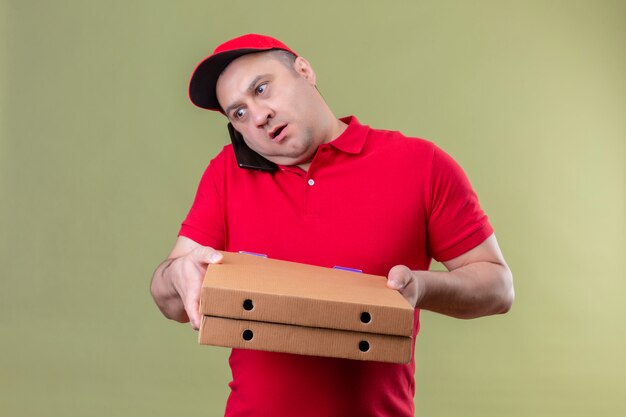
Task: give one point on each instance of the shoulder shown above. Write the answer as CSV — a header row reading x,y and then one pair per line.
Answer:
x,y
224,169
385,138
397,145
224,157
217,169
221,162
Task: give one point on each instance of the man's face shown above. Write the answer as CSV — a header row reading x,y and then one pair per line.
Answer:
x,y
277,109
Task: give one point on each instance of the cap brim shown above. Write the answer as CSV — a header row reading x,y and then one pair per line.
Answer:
x,y
204,78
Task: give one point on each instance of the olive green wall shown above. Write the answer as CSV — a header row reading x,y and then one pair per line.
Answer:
x,y
100,154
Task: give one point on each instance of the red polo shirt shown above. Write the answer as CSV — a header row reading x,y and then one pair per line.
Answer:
x,y
371,199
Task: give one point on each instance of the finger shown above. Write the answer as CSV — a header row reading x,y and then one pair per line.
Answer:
x,y
399,277
206,255
195,322
403,279
193,311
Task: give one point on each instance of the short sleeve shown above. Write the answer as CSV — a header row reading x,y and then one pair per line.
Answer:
x,y
205,222
456,222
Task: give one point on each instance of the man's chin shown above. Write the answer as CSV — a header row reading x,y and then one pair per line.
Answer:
x,y
287,161
290,160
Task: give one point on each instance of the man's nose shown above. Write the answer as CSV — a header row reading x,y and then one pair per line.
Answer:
x,y
261,114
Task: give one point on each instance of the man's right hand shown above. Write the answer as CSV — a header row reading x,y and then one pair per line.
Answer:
x,y
176,283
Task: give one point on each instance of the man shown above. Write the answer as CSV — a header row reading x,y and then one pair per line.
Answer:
x,y
334,192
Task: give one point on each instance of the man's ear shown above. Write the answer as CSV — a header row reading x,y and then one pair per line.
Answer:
x,y
305,70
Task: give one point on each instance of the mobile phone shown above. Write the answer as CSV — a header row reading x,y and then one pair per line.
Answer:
x,y
246,157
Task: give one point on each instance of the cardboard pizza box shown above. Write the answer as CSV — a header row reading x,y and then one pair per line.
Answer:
x,y
247,287
247,334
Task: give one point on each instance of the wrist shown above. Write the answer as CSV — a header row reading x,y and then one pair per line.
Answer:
x,y
171,277
420,287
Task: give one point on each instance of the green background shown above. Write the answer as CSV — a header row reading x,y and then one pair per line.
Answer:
x,y
101,151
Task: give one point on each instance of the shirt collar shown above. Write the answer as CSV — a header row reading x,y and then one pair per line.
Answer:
x,y
353,138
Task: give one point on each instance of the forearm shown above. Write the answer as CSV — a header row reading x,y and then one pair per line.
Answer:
x,y
164,293
474,290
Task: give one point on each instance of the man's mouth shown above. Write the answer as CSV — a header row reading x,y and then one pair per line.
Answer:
x,y
275,134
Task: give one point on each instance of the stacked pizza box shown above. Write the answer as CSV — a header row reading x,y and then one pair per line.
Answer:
x,y
253,302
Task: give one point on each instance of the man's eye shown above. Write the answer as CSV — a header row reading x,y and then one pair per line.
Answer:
x,y
261,88
239,113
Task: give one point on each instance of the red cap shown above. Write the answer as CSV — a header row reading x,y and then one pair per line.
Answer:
x,y
204,77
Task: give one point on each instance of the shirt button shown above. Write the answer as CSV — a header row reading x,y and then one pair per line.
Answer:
x,y
311,182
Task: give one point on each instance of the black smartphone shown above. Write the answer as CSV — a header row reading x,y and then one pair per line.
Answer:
x,y
246,157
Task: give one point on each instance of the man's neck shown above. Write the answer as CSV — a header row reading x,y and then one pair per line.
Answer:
x,y
337,130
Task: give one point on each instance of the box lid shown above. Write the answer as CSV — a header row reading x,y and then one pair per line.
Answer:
x,y
269,290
